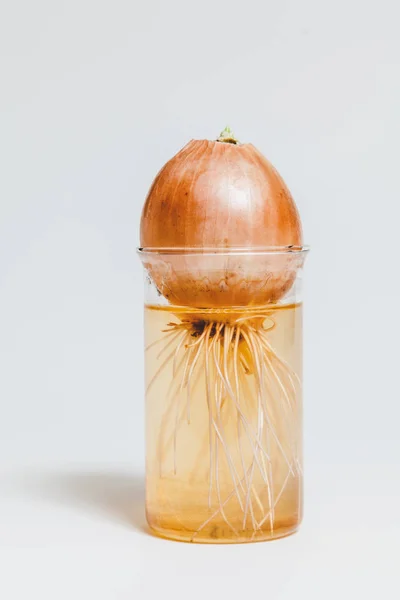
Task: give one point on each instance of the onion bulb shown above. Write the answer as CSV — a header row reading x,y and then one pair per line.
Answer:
x,y
209,210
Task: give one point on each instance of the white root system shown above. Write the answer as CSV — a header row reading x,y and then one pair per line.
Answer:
x,y
226,356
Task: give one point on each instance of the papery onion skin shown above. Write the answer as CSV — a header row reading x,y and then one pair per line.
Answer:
x,y
216,195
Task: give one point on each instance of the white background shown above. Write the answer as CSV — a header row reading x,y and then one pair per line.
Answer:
x,y
95,97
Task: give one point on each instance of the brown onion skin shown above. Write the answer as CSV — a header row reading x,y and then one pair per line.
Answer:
x,y
218,195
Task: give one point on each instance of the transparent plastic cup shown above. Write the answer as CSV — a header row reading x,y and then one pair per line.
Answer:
x,y
223,370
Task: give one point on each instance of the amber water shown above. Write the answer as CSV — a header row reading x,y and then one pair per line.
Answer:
x,y
223,422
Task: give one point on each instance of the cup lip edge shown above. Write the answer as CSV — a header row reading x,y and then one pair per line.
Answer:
x,y
233,251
